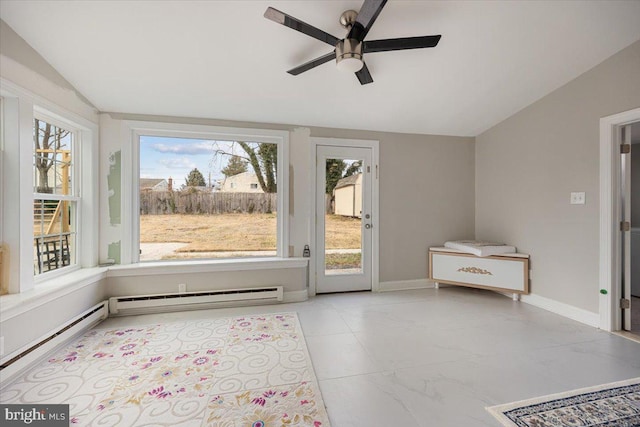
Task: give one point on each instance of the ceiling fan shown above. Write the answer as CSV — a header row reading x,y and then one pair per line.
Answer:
x,y
348,52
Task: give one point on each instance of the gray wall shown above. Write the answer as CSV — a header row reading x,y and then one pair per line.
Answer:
x,y
13,46
527,166
24,66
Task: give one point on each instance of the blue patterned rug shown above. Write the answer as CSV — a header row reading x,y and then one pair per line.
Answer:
x,y
608,405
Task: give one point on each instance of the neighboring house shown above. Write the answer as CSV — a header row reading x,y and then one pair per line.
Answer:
x,y
246,182
153,184
348,196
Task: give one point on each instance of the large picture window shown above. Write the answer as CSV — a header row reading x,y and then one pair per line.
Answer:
x,y
208,198
55,200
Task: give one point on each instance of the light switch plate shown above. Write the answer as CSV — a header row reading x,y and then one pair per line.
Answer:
x,y
578,198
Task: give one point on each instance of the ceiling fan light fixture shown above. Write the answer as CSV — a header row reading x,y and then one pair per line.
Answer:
x,y
349,64
349,55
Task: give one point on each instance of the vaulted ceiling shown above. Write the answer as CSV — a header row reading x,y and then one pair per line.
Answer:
x,y
224,60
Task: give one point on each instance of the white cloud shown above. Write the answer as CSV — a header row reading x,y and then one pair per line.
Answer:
x,y
189,148
177,163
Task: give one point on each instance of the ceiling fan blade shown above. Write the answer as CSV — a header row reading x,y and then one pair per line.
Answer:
x,y
365,19
364,76
400,44
289,21
312,64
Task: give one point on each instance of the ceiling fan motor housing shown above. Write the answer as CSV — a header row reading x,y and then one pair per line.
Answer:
x,y
349,54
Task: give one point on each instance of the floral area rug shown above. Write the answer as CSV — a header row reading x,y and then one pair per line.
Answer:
x,y
247,371
612,405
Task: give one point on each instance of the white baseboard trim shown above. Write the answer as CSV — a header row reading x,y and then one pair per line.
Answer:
x,y
403,285
566,310
295,296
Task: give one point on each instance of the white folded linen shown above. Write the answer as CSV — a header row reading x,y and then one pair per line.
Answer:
x,y
481,249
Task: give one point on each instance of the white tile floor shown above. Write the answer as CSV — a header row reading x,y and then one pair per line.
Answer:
x,y
438,357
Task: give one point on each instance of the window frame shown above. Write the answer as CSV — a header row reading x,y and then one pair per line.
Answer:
x,y
20,107
130,167
73,197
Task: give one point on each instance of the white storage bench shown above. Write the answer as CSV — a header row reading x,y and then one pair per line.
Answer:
x,y
502,273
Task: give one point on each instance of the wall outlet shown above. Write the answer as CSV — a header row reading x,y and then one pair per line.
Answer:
x,y
578,198
182,288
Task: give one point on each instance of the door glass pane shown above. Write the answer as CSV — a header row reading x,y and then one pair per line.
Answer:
x,y
343,216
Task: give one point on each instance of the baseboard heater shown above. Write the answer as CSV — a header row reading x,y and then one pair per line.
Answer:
x,y
193,300
20,359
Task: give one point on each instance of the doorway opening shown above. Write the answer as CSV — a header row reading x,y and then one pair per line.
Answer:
x,y
345,237
616,254
631,238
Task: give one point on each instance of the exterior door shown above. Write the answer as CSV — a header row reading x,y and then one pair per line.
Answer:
x,y
344,220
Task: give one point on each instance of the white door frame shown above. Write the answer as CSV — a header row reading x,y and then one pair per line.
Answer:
x,y
610,253
375,235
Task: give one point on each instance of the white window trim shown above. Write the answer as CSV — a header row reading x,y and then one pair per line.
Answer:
x,y
20,106
131,176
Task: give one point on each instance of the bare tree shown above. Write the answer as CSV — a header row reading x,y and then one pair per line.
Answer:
x,y
49,144
262,156
353,169
334,170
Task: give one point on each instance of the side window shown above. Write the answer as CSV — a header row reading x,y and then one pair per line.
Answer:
x,y
55,200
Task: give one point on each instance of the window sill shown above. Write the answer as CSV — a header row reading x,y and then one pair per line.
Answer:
x,y
206,266
48,290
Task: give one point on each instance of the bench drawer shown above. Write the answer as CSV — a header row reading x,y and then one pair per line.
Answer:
x,y
495,272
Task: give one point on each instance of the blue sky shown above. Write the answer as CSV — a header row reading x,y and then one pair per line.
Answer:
x,y
164,157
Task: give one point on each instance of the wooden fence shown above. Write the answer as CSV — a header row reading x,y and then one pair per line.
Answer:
x,y
183,202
